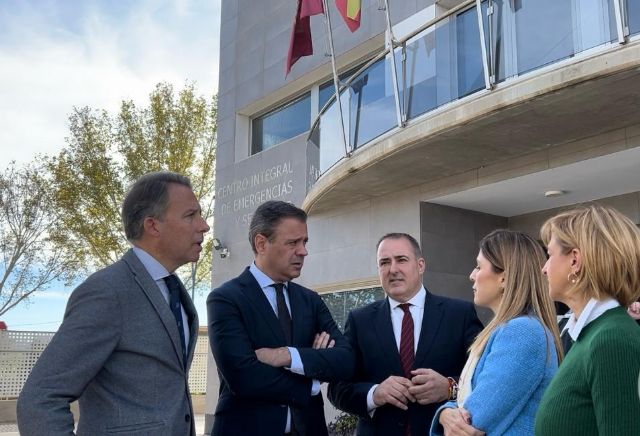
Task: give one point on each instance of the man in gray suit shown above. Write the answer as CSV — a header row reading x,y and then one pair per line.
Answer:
x,y
129,331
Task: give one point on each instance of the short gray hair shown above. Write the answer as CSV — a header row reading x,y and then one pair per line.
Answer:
x,y
148,197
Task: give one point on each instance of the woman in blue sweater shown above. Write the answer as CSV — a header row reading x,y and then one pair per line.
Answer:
x,y
514,358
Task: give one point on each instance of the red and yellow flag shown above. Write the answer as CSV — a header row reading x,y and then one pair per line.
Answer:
x,y
350,11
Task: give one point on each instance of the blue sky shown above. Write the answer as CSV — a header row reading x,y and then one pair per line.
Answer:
x,y
57,54
45,310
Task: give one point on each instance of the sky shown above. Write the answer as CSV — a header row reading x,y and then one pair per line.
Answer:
x,y
56,55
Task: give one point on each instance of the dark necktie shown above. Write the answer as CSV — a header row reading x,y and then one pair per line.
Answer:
x,y
407,354
283,313
174,303
406,341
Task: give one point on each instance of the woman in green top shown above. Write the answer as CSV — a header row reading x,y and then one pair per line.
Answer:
x,y
594,268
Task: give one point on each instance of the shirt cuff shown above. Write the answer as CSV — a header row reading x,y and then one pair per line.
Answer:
x,y
371,406
296,362
315,387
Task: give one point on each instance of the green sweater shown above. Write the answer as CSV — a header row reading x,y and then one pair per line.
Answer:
x,y
595,391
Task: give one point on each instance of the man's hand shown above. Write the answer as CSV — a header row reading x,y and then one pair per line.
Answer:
x,y
323,340
456,422
429,386
278,357
394,391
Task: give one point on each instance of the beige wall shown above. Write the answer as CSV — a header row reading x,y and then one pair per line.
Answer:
x,y
629,204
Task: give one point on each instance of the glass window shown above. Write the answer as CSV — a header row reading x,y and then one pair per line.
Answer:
x,y
372,107
369,110
341,303
422,74
328,134
594,23
544,32
633,12
469,53
529,34
327,89
444,63
281,124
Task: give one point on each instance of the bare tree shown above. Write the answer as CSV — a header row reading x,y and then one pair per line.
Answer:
x,y
27,265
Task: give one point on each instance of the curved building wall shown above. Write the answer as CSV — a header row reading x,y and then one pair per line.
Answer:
x,y
477,147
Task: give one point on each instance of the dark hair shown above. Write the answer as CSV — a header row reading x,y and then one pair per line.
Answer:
x,y
267,217
414,244
148,197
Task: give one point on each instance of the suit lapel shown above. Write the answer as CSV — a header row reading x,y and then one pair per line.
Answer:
x,y
150,289
431,319
298,314
192,314
252,291
384,333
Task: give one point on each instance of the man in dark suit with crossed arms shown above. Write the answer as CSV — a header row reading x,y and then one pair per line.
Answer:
x,y
274,340
410,347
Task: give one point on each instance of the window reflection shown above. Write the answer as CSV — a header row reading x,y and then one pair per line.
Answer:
x,y
372,108
341,303
331,142
327,89
530,34
281,124
469,53
444,64
633,12
544,32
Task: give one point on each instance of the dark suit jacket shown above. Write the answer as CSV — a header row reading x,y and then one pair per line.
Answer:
x,y
448,329
253,396
118,352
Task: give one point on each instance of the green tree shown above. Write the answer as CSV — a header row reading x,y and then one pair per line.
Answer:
x,y
106,153
27,265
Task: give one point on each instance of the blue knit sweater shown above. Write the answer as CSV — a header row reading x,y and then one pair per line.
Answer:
x,y
513,372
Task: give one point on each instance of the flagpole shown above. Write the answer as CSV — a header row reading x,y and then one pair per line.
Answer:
x,y
394,73
336,82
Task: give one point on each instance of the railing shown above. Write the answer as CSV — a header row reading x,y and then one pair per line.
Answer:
x,y
474,46
19,351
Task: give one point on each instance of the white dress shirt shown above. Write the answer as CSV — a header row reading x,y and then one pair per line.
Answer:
x,y
158,273
266,284
591,312
417,311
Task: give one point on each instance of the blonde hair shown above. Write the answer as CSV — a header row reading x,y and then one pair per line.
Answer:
x,y
609,245
521,258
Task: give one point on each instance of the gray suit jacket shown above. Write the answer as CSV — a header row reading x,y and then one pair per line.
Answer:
x,y
118,352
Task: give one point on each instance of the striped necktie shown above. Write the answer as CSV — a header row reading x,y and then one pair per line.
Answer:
x,y
406,341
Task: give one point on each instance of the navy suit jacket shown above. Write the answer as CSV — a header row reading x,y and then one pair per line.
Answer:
x,y
448,328
253,396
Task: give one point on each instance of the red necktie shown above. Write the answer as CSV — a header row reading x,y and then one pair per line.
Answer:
x,y
407,353
406,341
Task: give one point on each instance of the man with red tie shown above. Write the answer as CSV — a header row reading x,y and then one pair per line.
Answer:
x,y
410,347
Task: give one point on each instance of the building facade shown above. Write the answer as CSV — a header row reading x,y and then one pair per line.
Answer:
x,y
499,113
